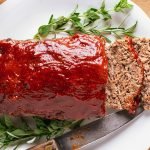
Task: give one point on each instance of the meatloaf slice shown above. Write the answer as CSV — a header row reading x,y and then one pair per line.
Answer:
x,y
142,46
125,76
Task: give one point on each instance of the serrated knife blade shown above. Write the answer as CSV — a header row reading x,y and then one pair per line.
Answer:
x,y
89,133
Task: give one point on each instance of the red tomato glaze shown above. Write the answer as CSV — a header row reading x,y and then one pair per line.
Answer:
x,y
136,56
57,79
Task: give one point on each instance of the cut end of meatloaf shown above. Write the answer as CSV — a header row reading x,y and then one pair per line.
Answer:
x,y
142,46
125,76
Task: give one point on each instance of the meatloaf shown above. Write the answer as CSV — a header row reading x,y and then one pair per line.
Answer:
x,y
56,79
125,76
142,46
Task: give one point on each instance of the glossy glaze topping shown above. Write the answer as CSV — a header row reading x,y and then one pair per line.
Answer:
x,y
75,67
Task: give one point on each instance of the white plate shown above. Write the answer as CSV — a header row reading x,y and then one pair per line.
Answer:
x,y
20,19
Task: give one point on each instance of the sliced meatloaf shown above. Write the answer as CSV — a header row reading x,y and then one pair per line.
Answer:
x,y
142,45
125,76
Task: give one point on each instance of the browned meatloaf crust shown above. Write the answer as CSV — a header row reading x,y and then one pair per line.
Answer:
x,y
125,76
142,45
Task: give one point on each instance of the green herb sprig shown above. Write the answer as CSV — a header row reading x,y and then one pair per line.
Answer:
x,y
11,135
123,4
86,22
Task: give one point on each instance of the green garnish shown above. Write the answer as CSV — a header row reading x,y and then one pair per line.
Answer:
x,y
122,5
104,12
11,134
88,23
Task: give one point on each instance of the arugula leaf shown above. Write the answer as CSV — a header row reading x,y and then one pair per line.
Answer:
x,y
121,5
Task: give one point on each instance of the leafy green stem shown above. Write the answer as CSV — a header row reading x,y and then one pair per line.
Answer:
x,y
83,22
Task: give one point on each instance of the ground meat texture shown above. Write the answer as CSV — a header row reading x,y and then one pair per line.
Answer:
x,y
56,79
142,46
125,76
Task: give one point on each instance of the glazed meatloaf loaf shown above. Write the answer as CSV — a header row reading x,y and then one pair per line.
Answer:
x,y
125,76
142,46
56,79
71,78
